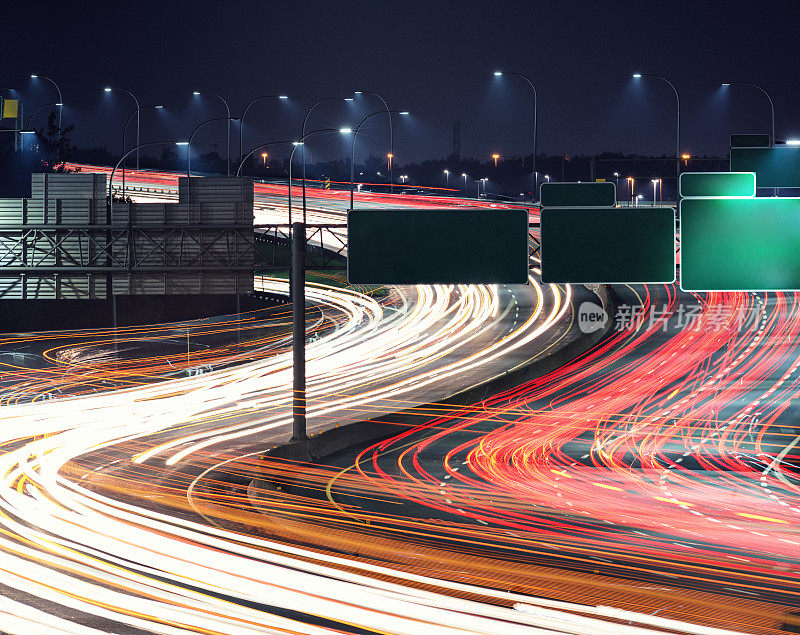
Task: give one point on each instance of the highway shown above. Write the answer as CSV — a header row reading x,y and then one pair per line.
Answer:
x,y
101,527
649,485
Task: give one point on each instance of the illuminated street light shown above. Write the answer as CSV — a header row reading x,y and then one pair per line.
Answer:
x,y
793,142
244,112
535,128
655,183
138,119
264,156
355,135
771,103
389,156
447,178
59,103
495,157
228,109
678,117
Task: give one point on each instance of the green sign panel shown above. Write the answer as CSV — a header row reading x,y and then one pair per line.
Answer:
x,y
437,246
750,141
748,244
778,166
717,184
578,194
617,244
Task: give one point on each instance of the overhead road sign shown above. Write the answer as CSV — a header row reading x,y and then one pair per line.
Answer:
x,y
611,245
578,194
743,244
717,184
437,246
778,166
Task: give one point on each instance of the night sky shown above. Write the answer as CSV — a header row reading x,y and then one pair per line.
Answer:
x,y
432,58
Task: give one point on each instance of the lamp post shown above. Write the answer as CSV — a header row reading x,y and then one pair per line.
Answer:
x,y
138,109
60,102
535,123
355,135
495,156
631,182
771,103
302,136
124,131
391,133
677,120
228,109
244,112
189,152
616,187
464,174
447,179
655,183
125,156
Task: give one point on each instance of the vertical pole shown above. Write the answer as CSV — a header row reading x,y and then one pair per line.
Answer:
x,y
298,332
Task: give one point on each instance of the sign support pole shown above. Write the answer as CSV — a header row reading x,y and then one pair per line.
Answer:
x,y
298,292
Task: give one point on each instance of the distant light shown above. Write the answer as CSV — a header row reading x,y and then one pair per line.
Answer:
x,y
297,143
447,171
498,73
196,92
27,132
726,83
108,90
793,142
638,196
390,155
404,112
654,180
181,143
358,92
345,130
283,97
264,154
630,178
159,106
34,76
348,99
686,157
60,105
637,75
616,173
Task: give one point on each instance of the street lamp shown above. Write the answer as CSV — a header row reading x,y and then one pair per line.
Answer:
x,y
631,183
264,156
678,118
125,156
136,101
616,187
60,102
495,157
244,112
355,134
535,123
124,131
655,183
391,132
227,108
638,198
403,178
447,178
464,174
771,103
189,149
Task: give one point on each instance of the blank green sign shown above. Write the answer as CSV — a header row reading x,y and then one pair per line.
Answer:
x,y
437,246
578,194
774,167
740,244
749,140
717,184
620,244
